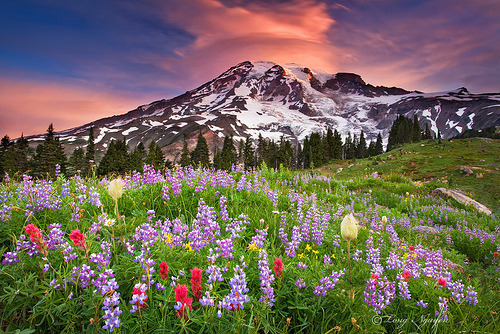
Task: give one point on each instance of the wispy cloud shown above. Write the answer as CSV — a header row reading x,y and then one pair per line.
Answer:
x,y
292,31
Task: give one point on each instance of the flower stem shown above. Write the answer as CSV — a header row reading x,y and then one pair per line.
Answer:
x,y
349,259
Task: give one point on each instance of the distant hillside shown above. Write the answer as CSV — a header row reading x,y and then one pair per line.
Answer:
x,y
489,132
436,164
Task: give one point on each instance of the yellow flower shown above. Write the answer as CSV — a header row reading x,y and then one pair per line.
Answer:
x,y
308,247
315,252
333,256
405,255
115,188
415,255
349,228
167,238
189,248
252,247
301,255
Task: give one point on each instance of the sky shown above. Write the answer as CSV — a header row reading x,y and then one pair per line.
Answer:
x,y
73,62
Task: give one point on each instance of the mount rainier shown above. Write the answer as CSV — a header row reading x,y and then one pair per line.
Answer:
x,y
275,100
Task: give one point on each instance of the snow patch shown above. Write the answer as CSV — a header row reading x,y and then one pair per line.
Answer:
x,y
128,131
461,111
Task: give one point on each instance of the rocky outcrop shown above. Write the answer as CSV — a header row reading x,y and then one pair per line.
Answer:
x,y
460,198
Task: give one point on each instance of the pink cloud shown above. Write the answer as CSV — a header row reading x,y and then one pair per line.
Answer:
x,y
29,107
295,31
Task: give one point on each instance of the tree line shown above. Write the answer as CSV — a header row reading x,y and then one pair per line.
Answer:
x,y
317,149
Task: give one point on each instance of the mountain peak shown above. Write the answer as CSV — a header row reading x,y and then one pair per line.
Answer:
x,y
264,98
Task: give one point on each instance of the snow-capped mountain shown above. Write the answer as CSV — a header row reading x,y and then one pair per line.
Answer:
x,y
265,98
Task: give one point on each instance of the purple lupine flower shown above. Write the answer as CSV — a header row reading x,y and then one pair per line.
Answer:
x,y
457,290
302,265
423,304
84,275
300,283
111,311
379,294
223,208
443,308
237,297
259,238
266,279
336,241
225,247
471,296
10,258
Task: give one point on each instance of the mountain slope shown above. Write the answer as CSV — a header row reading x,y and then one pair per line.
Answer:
x,y
292,101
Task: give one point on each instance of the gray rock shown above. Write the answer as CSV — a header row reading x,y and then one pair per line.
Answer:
x,y
460,198
466,170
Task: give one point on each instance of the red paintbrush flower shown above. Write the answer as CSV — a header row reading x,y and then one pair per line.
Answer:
x,y
78,239
164,270
196,286
442,281
183,301
278,267
406,275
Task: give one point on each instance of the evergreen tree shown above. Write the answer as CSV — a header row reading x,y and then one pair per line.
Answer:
x,y
116,159
379,147
371,148
185,155
350,147
299,163
261,154
155,156
427,132
248,154
306,154
337,145
201,155
361,147
77,162
217,159
90,154
137,158
330,144
316,147
49,154
417,131
228,154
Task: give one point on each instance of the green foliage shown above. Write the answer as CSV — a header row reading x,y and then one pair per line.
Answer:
x,y
200,156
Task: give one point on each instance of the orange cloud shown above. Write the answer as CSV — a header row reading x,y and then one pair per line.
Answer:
x,y
294,31
29,107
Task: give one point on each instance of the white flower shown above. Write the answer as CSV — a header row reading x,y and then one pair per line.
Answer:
x,y
109,222
384,220
349,228
115,188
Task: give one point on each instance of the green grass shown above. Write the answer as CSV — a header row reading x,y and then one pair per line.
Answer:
x,y
431,160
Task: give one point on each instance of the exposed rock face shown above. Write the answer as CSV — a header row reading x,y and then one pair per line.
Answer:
x,y
460,198
265,98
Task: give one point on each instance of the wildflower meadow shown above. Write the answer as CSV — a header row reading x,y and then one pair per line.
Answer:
x,y
258,251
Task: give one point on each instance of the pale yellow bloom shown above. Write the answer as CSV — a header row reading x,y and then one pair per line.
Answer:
x,y
384,220
349,228
115,188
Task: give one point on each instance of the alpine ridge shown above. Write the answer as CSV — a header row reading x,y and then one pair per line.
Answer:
x,y
290,100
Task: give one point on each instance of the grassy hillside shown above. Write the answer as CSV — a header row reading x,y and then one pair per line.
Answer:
x,y
432,161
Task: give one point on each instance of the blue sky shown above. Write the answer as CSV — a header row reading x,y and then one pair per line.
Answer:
x,y
71,62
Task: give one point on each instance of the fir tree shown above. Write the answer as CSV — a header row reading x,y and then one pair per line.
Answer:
x,y
185,155
417,131
228,154
316,147
77,162
248,154
90,154
49,154
361,147
337,145
201,155
379,147
116,159
371,148
155,156
137,158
